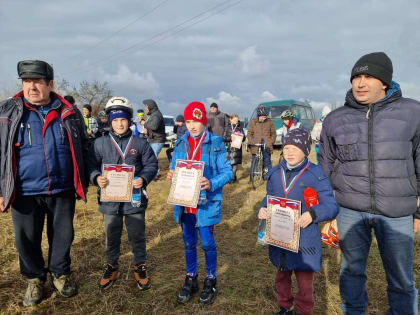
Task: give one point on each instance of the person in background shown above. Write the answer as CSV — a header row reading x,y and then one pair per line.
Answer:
x,y
90,122
199,144
123,147
138,124
316,131
261,130
154,128
290,122
103,124
370,149
218,121
179,129
289,179
235,127
43,147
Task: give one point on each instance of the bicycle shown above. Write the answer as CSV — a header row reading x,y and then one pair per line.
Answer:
x,y
256,175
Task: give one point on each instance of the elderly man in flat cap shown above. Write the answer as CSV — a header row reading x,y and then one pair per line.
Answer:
x,y
42,149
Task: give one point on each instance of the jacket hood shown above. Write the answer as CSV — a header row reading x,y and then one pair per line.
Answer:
x,y
151,104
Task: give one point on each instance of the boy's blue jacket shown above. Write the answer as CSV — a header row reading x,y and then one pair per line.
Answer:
x,y
217,170
309,255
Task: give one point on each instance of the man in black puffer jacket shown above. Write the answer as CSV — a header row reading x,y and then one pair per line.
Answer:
x,y
370,149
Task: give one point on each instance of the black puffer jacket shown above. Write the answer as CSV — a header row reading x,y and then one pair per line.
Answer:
x,y
372,154
140,154
155,123
234,153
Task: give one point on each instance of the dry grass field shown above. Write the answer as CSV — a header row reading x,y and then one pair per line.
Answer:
x,y
245,274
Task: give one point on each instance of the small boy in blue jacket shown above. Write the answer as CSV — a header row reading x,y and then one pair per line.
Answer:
x,y
199,144
289,180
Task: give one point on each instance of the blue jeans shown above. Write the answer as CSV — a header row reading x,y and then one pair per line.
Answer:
x,y
189,233
156,147
395,237
316,152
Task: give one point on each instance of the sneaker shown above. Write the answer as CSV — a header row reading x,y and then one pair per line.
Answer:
x,y
190,287
110,275
209,292
285,311
34,292
64,285
142,279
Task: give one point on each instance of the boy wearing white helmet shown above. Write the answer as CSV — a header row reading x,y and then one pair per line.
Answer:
x,y
121,146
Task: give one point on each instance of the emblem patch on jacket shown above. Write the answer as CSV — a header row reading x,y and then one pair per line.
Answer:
x,y
133,151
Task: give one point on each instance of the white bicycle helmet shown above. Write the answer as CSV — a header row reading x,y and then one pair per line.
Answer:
x,y
286,114
119,103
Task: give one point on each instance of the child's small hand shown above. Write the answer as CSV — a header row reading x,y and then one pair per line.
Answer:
x,y
205,184
170,175
102,181
305,220
138,183
262,214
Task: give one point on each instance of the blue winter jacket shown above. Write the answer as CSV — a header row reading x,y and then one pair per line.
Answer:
x,y
44,159
309,255
372,154
217,170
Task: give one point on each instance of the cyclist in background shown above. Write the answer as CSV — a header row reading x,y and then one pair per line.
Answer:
x,y
290,122
103,124
261,130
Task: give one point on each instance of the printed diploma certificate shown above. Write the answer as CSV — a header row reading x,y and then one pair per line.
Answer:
x,y
185,187
120,183
282,228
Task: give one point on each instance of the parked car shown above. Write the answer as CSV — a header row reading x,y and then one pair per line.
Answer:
x,y
169,129
303,110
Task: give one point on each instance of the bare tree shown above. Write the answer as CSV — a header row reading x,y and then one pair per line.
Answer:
x,y
95,93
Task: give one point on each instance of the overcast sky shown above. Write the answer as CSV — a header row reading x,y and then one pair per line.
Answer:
x,y
236,53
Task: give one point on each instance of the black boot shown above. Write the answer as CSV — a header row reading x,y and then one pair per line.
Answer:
x,y
190,287
209,292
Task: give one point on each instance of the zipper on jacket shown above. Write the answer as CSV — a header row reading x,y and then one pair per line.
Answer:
x,y
29,134
369,116
62,133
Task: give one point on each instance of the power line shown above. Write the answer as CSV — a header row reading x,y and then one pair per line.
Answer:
x,y
118,31
169,32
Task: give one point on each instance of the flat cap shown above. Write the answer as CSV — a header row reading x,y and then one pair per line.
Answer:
x,y
34,69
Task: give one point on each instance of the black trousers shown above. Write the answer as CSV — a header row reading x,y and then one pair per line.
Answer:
x,y
135,224
28,213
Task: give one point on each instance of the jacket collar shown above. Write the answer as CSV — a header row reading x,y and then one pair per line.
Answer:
x,y
296,169
392,94
187,134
